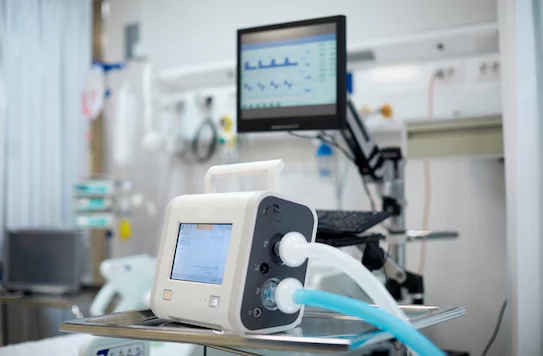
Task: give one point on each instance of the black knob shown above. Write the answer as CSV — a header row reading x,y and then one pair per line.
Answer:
x,y
264,268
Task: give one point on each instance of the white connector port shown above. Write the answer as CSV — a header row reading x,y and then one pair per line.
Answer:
x,y
284,295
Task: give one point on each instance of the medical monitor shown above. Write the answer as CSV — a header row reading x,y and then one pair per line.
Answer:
x,y
43,260
292,76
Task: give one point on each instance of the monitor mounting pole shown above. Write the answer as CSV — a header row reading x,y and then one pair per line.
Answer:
x,y
384,167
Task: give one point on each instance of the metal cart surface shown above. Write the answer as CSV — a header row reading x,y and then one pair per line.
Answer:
x,y
320,332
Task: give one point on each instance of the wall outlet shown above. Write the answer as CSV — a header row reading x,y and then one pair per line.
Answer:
x,y
205,102
487,70
452,74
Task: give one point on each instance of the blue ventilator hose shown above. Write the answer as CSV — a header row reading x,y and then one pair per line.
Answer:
x,y
381,319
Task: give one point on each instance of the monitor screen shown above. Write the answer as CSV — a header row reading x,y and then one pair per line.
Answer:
x,y
288,75
42,257
201,252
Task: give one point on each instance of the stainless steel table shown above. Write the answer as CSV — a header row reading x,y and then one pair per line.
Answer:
x,y
320,332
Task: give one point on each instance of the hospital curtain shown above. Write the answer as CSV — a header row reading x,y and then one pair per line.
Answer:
x,y
44,54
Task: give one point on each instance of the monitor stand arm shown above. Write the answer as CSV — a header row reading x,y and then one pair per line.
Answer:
x,y
384,167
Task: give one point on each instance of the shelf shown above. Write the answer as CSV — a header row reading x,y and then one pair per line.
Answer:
x,y
472,137
437,138
320,332
204,76
411,48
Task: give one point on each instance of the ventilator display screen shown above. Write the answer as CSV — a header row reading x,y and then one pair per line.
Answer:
x,y
201,252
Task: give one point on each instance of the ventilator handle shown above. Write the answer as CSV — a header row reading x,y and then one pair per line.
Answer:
x,y
272,169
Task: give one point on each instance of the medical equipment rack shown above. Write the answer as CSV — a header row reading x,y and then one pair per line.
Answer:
x,y
320,331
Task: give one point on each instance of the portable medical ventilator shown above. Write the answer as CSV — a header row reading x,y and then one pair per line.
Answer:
x,y
237,262
218,267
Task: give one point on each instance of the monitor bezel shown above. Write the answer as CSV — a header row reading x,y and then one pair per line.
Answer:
x,y
298,123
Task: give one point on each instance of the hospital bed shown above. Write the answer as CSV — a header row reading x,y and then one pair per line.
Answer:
x,y
69,345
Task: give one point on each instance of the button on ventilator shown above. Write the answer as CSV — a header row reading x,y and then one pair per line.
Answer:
x,y
273,212
214,301
264,268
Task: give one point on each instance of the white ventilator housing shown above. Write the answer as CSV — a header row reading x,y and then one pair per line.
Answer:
x,y
216,265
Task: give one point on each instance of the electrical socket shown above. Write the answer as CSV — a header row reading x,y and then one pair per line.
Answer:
x,y
205,102
451,74
488,70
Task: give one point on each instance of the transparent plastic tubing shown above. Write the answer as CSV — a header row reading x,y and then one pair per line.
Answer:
x,y
295,248
401,330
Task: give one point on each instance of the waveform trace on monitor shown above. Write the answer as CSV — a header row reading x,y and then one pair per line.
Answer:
x,y
273,64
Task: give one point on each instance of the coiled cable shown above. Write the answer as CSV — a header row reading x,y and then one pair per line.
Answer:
x,y
205,156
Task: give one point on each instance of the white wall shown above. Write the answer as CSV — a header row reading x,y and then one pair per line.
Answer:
x,y
523,130
467,195
191,32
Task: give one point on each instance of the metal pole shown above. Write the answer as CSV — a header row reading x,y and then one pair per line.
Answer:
x,y
4,228
395,188
99,244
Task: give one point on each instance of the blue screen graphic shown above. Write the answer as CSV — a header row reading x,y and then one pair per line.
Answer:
x,y
289,72
201,253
